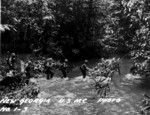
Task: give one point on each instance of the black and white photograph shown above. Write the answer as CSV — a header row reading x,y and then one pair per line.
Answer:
x,y
74,57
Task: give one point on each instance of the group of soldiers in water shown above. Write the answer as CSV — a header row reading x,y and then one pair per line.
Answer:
x,y
103,70
48,65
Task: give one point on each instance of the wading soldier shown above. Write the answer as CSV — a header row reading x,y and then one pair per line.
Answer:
x,y
63,68
48,68
28,70
84,68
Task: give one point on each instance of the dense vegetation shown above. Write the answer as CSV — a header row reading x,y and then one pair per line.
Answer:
x,y
60,27
76,29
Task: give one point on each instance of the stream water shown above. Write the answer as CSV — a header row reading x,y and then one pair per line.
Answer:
x,y
76,96
128,89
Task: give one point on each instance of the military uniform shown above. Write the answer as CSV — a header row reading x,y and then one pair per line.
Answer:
x,y
48,68
84,68
28,70
63,68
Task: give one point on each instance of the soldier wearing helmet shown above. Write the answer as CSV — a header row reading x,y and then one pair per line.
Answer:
x,y
84,68
48,66
64,67
28,70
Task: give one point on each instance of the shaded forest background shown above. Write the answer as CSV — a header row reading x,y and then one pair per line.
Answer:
x,y
76,29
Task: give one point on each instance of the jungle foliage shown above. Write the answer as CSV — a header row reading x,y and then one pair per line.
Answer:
x,y
77,29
